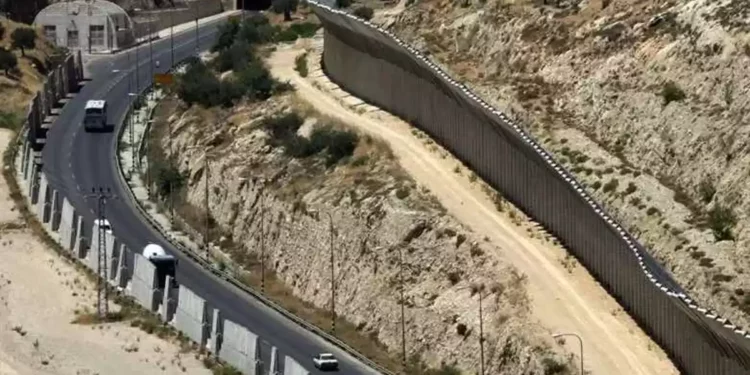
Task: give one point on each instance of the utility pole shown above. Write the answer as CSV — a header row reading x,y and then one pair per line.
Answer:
x,y
196,31
262,242
137,70
208,212
151,56
102,266
333,281
171,35
481,333
403,319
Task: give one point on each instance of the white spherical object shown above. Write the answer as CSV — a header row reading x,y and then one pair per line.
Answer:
x,y
153,250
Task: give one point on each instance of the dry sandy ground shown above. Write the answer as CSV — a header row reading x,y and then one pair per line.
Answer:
x,y
39,293
563,300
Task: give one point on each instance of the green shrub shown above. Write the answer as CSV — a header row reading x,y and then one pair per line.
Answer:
x,y
722,220
8,60
256,81
652,211
23,38
305,29
236,57
10,120
227,33
707,191
364,12
300,64
343,3
596,185
611,185
631,188
198,85
553,367
338,144
257,30
283,127
286,36
670,92
168,179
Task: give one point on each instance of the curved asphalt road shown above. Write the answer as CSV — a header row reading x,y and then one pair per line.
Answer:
x,y
76,161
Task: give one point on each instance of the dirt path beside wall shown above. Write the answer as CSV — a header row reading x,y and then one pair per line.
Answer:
x,y
564,299
39,294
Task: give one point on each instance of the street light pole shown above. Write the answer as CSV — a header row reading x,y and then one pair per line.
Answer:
x,y
208,212
481,328
333,281
262,242
580,342
403,321
151,56
481,334
196,31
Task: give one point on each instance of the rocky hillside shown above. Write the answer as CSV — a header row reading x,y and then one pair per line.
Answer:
x,y
645,101
267,182
19,86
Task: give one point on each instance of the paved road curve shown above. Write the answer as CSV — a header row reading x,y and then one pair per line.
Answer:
x,y
76,161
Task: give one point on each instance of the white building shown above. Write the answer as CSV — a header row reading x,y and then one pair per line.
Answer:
x,y
94,25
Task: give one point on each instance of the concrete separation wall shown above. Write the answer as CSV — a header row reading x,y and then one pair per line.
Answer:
x,y
143,283
379,68
191,316
239,347
291,367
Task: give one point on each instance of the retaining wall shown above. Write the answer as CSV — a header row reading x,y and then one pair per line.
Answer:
x,y
374,65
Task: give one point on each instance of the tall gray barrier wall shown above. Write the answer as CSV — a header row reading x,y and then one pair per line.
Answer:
x,y
143,282
377,67
191,316
291,367
239,347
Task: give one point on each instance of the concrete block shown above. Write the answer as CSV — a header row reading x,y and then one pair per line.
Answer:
x,y
123,274
190,316
273,363
143,283
54,222
239,347
25,152
112,254
44,199
67,225
166,310
33,186
291,367
214,342
80,238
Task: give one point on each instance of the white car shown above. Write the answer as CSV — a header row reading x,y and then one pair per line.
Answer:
x,y
104,223
326,361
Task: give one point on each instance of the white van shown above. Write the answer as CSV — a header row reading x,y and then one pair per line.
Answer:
x,y
95,117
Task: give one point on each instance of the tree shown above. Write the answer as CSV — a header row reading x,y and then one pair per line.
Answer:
x,y
363,12
2,30
286,7
23,38
343,3
8,60
227,33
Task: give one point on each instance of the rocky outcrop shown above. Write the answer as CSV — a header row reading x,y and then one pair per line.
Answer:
x,y
374,218
645,101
